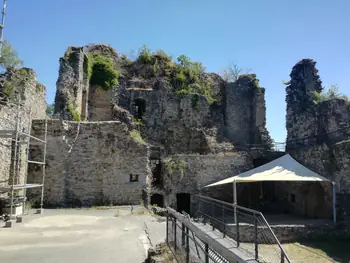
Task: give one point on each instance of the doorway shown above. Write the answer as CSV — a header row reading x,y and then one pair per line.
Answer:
x,y
183,203
158,200
140,108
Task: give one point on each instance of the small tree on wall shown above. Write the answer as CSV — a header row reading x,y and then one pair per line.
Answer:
x,y
233,71
9,57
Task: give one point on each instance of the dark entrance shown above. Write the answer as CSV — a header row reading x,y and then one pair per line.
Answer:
x,y
157,173
158,200
140,108
183,202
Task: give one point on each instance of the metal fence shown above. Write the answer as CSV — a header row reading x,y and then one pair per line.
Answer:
x,y
189,245
248,228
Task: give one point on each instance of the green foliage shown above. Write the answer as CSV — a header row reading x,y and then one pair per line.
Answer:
x,y
256,84
189,80
50,108
175,165
233,71
102,72
8,88
136,136
137,122
74,113
9,57
332,93
145,54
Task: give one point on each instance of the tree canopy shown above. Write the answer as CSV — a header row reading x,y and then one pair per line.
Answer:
x,y
9,57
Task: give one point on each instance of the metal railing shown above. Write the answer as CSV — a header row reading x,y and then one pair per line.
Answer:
x,y
247,227
191,245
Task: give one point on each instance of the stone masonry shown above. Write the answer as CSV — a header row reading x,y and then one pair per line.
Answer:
x,y
318,133
18,84
91,163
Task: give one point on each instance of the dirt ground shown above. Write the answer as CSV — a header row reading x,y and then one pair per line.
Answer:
x,y
82,235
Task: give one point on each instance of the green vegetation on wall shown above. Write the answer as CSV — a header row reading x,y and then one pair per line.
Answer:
x,y
136,136
332,93
175,165
187,77
102,72
9,57
74,113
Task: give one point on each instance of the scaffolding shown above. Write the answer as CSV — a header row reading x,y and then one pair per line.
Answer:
x,y
16,190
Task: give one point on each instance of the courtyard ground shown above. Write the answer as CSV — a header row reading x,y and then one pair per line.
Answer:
x,y
82,235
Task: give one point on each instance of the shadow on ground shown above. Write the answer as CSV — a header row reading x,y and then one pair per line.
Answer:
x,y
336,249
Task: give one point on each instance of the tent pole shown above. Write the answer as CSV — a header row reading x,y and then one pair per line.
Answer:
x,y
235,200
334,204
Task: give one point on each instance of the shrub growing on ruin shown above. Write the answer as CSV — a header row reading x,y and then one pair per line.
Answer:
x,y
102,72
175,165
136,136
74,113
189,80
332,93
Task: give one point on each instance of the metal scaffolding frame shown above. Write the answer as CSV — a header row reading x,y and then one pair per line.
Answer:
x,y
18,137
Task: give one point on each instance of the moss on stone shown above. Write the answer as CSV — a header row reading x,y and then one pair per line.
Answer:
x,y
136,136
175,165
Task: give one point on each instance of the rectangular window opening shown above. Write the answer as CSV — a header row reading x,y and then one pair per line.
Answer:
x,y
134,177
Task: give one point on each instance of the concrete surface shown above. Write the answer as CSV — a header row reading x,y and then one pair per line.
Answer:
x,y
78,235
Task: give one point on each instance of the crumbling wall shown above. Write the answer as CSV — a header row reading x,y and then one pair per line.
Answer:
x,y
318,132
91,163
246,112
18,84
201,170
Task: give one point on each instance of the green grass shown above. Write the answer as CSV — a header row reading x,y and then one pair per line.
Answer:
x,y
136,136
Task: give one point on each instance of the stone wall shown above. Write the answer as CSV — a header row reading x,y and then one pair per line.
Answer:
x,y
201,170
309,121
90,163
245,116
318,132
18,84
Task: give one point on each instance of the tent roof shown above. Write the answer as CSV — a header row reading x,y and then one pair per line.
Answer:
x,y
284,168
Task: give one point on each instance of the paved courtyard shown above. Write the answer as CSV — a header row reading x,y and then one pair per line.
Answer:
x,y
82,235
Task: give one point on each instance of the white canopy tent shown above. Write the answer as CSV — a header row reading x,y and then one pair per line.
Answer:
x,y
284,168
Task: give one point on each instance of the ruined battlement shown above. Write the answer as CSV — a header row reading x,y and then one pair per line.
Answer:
x,y
178,105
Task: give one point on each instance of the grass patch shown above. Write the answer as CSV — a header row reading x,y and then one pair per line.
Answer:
x,y
136,136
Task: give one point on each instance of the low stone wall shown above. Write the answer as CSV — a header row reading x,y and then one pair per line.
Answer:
x,y
288,233
90,163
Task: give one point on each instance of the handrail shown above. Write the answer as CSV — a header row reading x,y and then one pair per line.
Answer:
x,y
254,212
218,247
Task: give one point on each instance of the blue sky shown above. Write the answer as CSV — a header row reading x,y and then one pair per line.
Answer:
x,y
267,36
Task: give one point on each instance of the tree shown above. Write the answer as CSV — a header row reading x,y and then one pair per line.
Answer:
x,y
233,71
50,109
9,57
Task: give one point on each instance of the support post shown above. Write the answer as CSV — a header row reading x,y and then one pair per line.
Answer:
x,y
167,228
235,200
187,245
175,233
334,204
206,253
183,234
256,237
